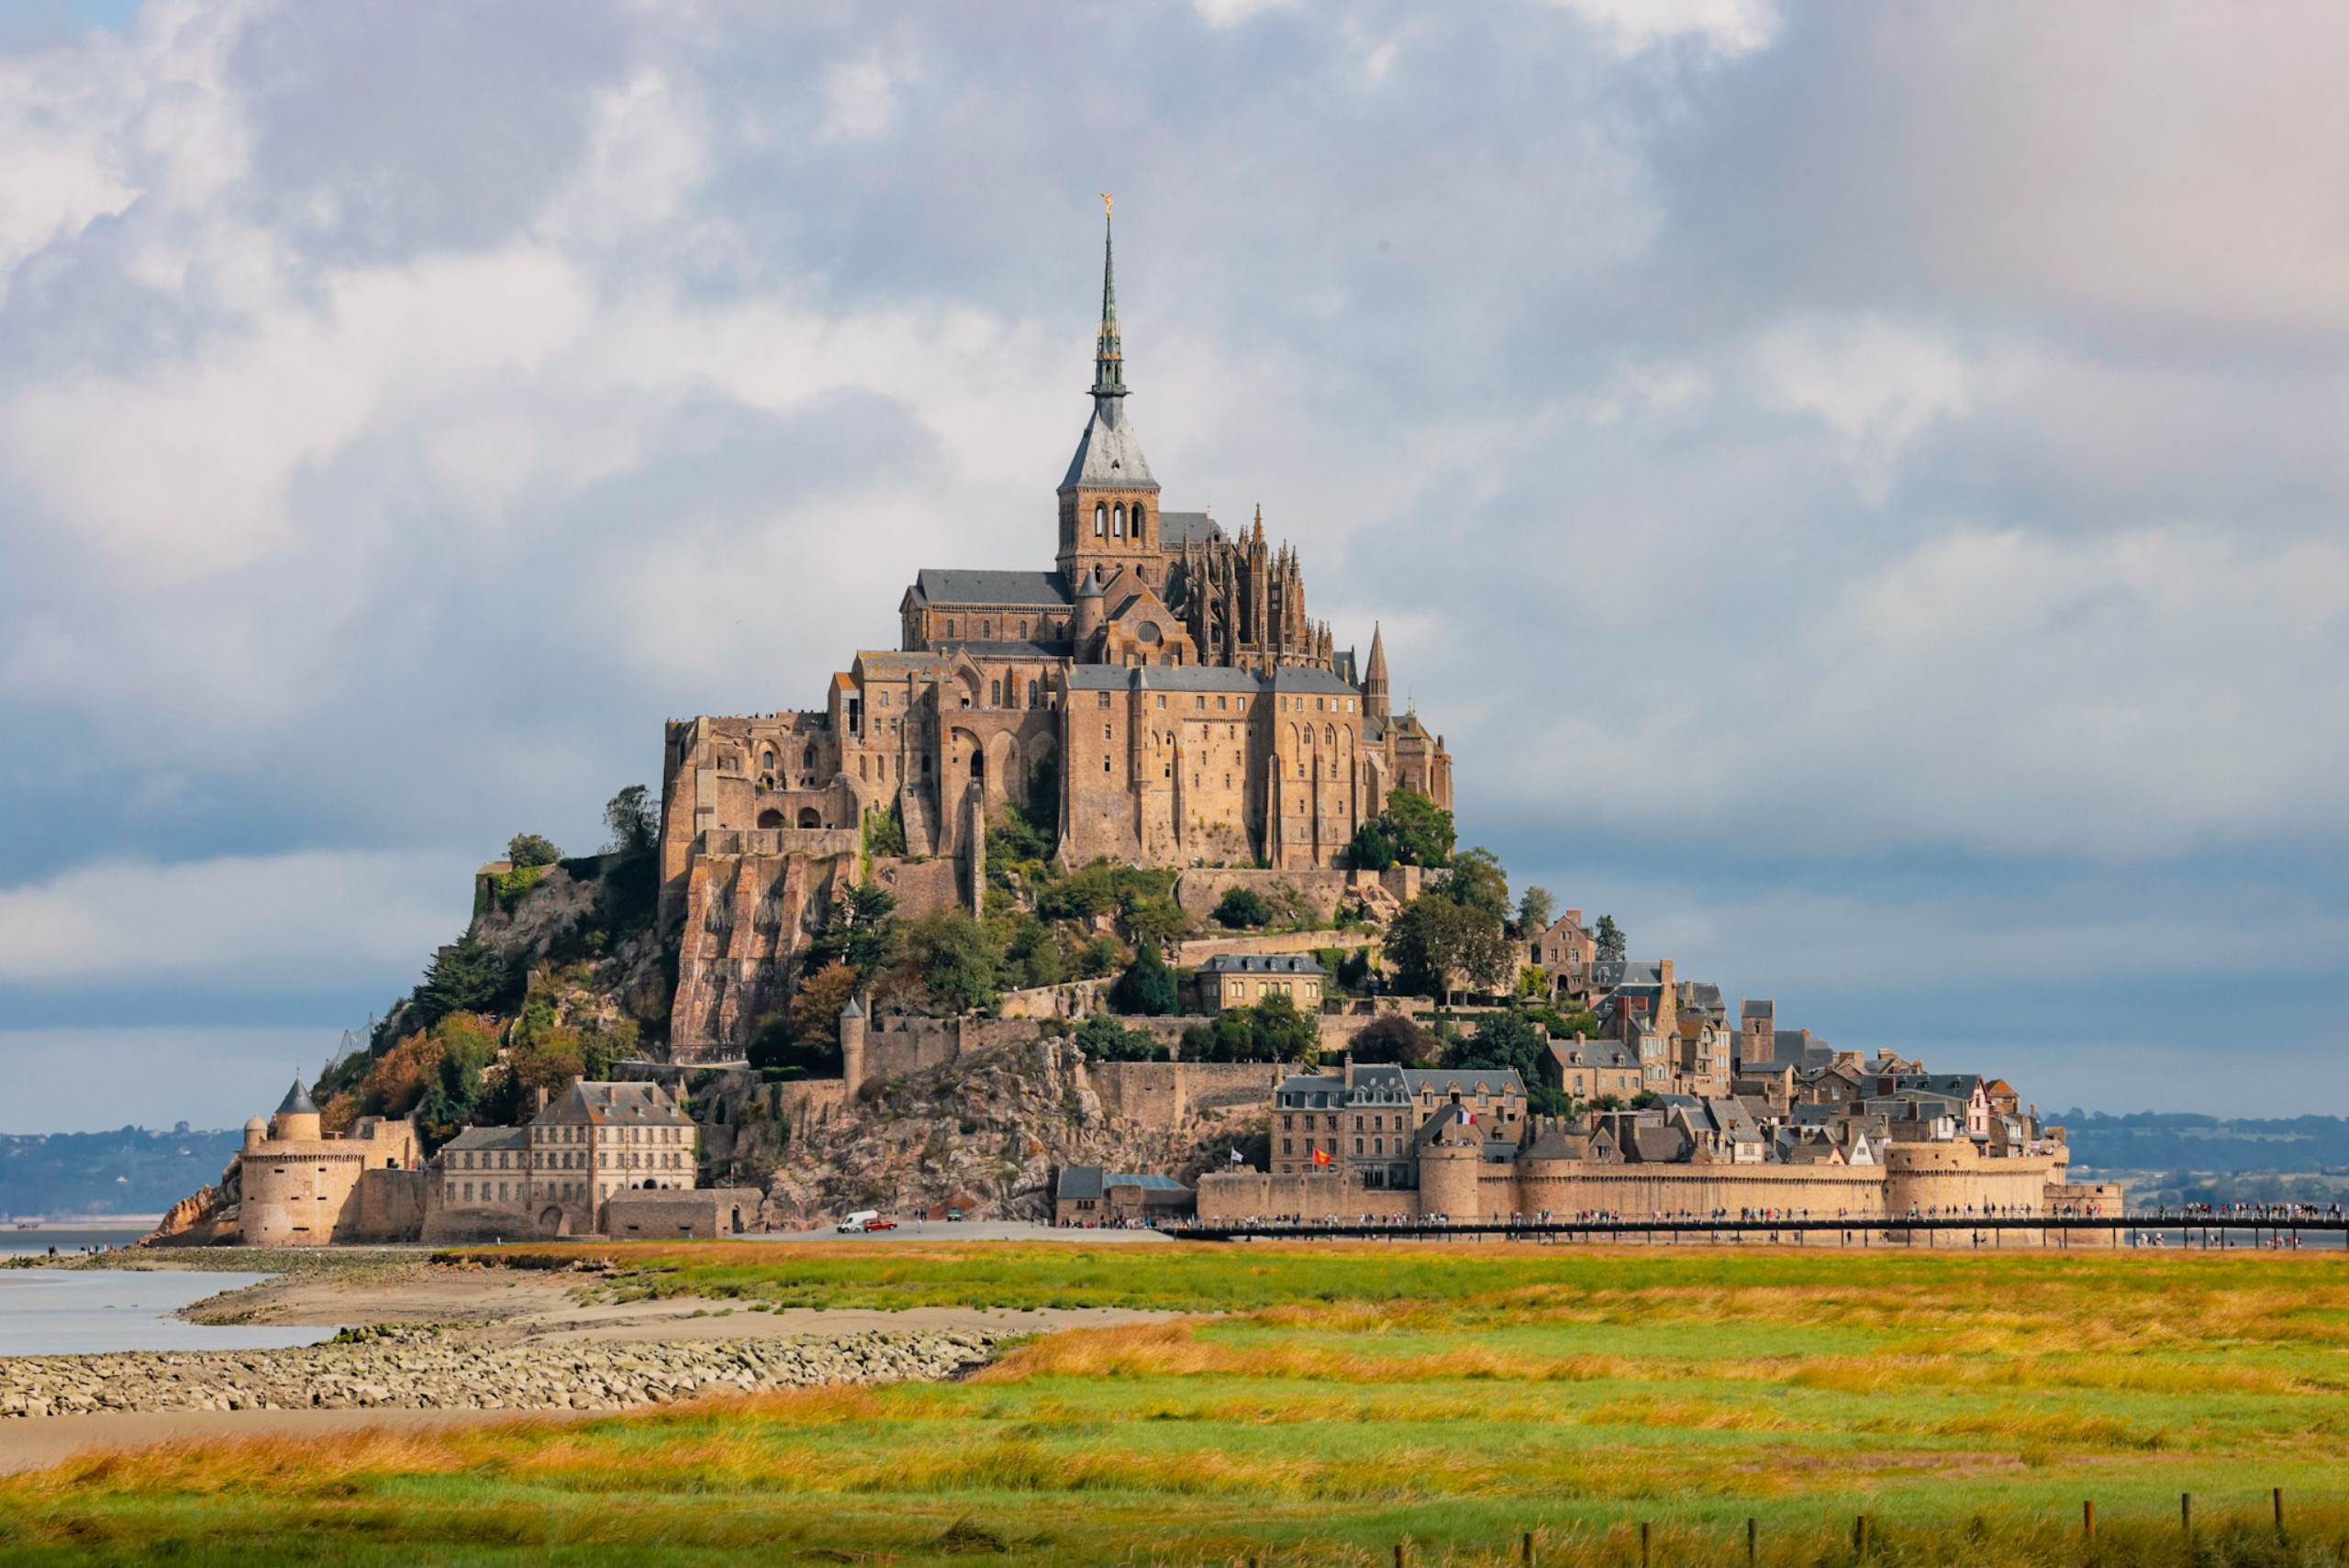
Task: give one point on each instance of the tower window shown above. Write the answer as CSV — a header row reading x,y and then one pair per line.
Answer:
x,y
1117,522
1100,520
1138,516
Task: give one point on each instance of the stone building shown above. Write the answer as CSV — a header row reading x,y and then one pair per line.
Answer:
x,y
557,1176
301,1186
1244,979
1160,694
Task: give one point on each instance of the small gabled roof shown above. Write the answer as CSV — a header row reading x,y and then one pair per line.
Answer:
x,y
1079,1181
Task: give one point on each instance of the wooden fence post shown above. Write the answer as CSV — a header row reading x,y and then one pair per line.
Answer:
x,y
1860,1535
2279,1513
2186,1512
1398,1554
1643,1543
1529,1549
1753,1542
2088,1521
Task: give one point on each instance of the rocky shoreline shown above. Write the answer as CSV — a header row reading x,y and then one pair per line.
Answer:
x,y
426,1370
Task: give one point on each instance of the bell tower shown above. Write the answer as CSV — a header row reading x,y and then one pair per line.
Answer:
x,y
1109,502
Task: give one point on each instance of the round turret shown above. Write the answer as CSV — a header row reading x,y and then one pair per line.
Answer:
x,y
1086,622
297,1118
851,1047
256,1132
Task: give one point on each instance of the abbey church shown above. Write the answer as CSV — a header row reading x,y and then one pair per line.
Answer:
x,y
1160,695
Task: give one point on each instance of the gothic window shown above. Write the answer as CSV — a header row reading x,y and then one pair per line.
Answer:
x,y
1138,516
987,629
1023,630
1100,520
1329,735
1117,522
1034,691
950,628
995,694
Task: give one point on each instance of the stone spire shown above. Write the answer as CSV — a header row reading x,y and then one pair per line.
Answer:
x,y
1108,357
1374,676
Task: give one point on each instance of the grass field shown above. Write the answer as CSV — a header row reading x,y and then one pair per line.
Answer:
x,y
1325,1404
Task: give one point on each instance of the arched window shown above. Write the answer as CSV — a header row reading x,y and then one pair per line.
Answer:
x,y
1138,517
950,628
1329,735
766,761
1100,519
810,818
987,630
995,694
1023,630
1034,691
770,818
1117,522
807,759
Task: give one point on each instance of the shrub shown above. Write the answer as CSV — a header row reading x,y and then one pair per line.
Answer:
x,y
885,830
1104,1038
956,960
530,850
1147,987
1392,1037
1243,909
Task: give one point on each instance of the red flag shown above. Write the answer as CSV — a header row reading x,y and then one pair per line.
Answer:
x,y
1321,1156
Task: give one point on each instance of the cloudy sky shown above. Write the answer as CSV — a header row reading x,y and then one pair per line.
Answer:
x,y
1861,489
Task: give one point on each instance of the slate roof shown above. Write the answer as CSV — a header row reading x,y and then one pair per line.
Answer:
x,y
1079,1181
1309,678
1593,1054
1178,528
954,585
1028,651
1449,1081
1148,1182
635,1104
1164,678
475,1138
296,1102
1263,963
1109,453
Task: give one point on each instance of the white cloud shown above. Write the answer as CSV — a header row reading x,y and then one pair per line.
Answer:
x,y
861,99
1874,383
1726,28
331,918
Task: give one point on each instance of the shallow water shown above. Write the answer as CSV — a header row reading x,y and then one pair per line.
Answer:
x,y
69,1239
53,1312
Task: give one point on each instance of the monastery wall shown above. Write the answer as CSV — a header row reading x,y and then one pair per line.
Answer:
x,y
1162,1094
921,887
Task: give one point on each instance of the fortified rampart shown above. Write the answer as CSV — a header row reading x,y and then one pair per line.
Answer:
x,y
1459,1184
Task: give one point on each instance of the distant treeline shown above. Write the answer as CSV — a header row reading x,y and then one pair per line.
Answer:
x,y
131,1171
2183,1141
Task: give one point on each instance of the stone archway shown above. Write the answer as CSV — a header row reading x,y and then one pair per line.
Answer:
x,y
810,818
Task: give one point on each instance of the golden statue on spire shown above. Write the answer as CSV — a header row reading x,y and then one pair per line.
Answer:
x,y
1108,205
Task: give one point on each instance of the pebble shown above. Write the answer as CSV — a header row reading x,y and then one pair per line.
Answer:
x,y
420,1369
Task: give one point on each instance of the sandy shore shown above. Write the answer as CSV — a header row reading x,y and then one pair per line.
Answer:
x,y
493,1305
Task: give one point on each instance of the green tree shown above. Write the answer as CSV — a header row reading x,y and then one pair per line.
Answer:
x,y
1104,1038
1509,1039
1422,830
1032,954
634,820
1438,945
1477,882
1243,909
530,850
1282,1033
1373,845
466,976
1610,943
956,960
861,930
1392,1037
1147,987
1535,909
885,828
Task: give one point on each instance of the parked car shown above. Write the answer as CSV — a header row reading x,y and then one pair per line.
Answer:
x,y
954,1217
854,1224
880,1222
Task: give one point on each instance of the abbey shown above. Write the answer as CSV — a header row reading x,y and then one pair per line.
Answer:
x,y
1160,694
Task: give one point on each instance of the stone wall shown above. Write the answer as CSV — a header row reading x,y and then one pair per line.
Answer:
x,y
921,887
390,1206
1197,951
696,1213
1469,1189
1200,889
746,918
1077,999
1162,1094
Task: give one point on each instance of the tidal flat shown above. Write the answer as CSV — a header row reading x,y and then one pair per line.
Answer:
x,y
1324,1403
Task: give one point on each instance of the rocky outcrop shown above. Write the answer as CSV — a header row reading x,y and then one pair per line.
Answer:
x,y
418,1368
982,1133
